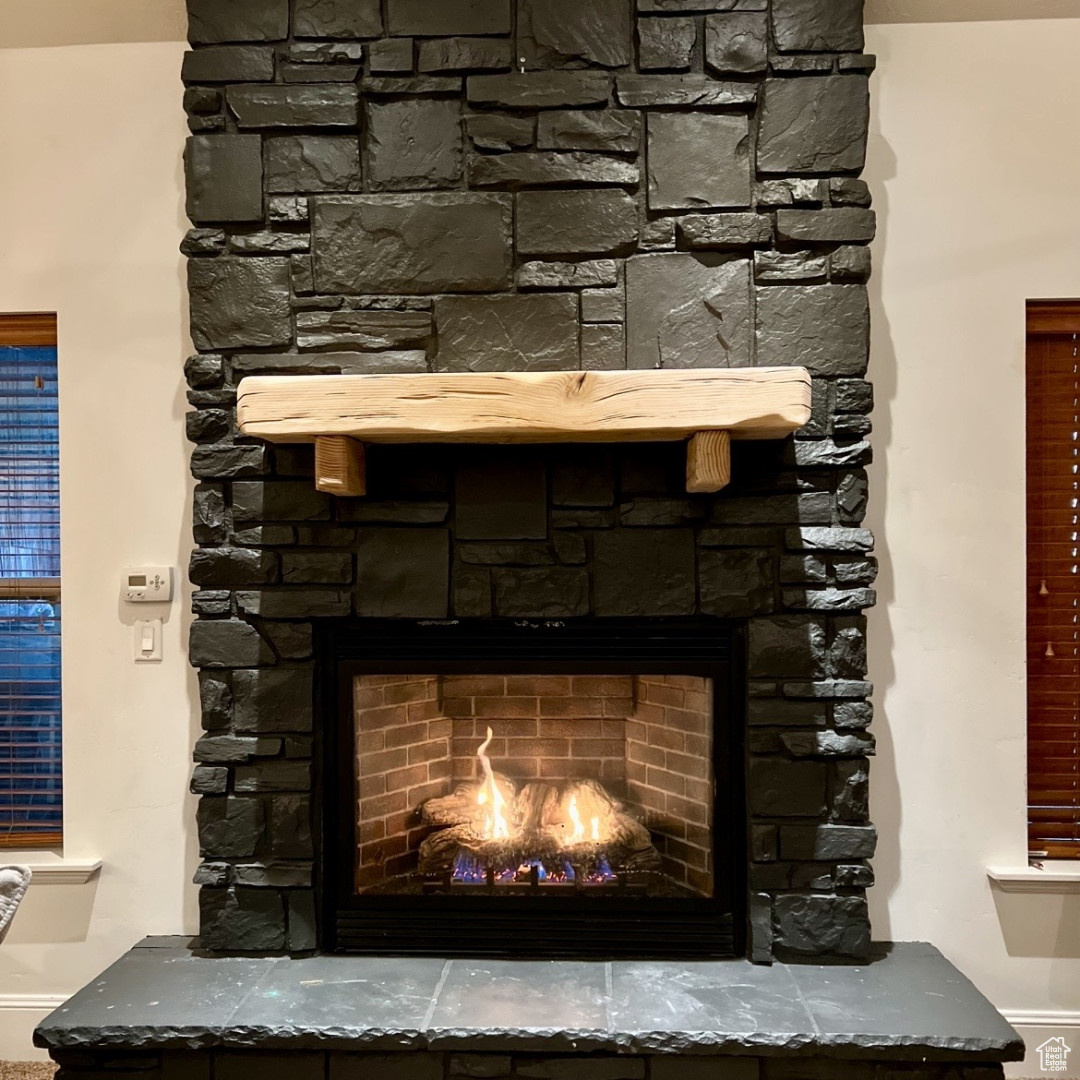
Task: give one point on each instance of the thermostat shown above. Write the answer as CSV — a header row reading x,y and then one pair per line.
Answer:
x,y
147,584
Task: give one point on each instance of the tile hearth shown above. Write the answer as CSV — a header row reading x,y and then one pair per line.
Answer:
x,y
163,998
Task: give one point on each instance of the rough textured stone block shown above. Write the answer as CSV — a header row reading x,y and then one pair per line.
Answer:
x,y
337,19
684,91
230,828
227,643
787,646
551,592
540,89
502,499
603,347
372,330
698,160
279,500
493,132
827,744
273,700
603,306
414,144
843,225
391,55
226,462
602,222
818,25
604,131
386,1067
647,572
481,1066
543,169
232,566
825,328
687,311
507,333
666,44
737,584
294,106
781,788
851,264
295,603
825,843
738,43
211,21
448,18
725,232
403,574
566,33
438,242
239,303
224,178
242,920
587,274
814,125
272,776
228,63
312,163
814,925
797,267
465,54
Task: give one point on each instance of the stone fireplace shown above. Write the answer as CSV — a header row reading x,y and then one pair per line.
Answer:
x,y
515,185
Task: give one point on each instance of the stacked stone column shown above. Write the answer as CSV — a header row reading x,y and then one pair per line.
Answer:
x,y
541,185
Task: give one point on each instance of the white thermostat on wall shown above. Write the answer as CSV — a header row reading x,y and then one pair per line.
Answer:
x,y
147,584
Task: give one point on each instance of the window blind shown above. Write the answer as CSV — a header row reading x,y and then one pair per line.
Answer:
x,y
1053,580
31,796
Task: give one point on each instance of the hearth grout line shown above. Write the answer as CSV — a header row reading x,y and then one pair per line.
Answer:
x,y
270,969
805,1004
430,1014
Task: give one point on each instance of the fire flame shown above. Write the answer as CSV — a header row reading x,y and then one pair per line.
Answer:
x,y
575,817
495,825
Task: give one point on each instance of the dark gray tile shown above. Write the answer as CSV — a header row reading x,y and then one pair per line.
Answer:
x,y
154,996
531,1005
717,1004
910,995
370,1001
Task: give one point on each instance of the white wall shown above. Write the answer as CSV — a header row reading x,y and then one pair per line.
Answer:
x,y
91,213
975,165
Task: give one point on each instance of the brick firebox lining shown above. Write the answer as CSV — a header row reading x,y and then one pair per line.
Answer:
x,y
646,738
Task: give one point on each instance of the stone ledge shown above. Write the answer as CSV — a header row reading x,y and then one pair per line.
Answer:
x,y
908,1004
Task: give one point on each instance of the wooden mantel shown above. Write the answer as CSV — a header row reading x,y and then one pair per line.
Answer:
x,y
339,413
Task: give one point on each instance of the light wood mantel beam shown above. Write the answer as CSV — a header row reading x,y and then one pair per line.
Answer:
x,y
709,407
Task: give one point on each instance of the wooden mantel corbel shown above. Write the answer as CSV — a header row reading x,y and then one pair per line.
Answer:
x,y
709,408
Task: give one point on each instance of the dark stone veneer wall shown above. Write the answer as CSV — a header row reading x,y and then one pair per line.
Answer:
x,y
415,185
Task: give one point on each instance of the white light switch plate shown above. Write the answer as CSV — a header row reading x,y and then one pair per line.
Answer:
x,y
148,634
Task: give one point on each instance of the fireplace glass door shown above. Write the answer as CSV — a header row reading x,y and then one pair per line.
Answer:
x,y
548,775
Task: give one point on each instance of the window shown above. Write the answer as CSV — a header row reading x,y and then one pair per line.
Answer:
x,y
31,810
1053,578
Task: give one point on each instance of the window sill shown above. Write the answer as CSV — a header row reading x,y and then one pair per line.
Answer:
x,y
1058,876
57,871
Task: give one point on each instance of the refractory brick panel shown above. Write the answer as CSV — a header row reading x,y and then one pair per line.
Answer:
x,y
486,185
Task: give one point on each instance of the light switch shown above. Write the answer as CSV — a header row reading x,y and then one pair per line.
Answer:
x,y
148,634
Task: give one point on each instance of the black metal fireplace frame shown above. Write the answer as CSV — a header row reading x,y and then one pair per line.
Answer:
x,y
522,926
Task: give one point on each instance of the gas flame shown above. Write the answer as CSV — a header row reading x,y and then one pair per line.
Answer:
x,y
595,822
495,825
575,817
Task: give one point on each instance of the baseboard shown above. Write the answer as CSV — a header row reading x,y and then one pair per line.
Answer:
x,y
1036,1018
32,1002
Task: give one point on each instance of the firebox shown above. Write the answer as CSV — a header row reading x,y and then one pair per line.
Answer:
x,y
533,788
